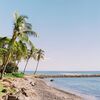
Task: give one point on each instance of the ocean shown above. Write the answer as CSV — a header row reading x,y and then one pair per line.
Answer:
x,y
89,88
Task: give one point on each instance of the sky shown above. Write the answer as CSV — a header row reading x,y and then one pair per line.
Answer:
x,y
69,31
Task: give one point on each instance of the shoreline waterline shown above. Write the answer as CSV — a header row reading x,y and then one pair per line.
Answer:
x,y
88,86
70,91
61,91
47,92
30,88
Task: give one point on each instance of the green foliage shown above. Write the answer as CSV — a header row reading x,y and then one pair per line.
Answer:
x,y
14,75
9,75
18,47
18,75
38,56
11,67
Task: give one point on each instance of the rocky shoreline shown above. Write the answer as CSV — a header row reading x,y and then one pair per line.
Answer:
x,y
29,88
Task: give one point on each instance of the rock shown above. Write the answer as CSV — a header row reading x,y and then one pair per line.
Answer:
x,y
24,89
5,97
9,97
21,98
51,80
32,83
6,84
6,80
12,97
23,92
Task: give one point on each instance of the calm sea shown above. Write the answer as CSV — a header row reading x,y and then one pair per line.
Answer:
x,y
86,87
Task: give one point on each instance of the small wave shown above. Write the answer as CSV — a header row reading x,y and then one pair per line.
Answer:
x,y
71,74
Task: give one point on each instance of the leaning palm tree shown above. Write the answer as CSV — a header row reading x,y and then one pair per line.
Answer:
x,y
20,52
39,55
21,29
30,54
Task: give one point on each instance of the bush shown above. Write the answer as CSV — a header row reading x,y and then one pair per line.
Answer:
x,y
11,67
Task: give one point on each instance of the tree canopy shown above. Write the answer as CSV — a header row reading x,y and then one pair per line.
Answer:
x,y
19,46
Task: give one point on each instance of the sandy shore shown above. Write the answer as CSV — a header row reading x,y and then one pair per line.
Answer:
x,y
29,88
46,92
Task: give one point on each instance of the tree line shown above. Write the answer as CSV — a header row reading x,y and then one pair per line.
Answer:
x,y
19,46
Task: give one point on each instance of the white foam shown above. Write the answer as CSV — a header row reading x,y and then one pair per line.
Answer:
x,y
71,74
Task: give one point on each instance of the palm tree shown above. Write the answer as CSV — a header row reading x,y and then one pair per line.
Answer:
x,y
29,55
20,52
39,56
4,41
21,29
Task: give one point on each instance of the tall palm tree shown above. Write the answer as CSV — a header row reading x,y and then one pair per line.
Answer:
x,y
39,56
27,60
29,55
21,29
20,52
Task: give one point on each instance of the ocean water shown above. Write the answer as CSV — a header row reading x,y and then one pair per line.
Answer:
x,y
89,88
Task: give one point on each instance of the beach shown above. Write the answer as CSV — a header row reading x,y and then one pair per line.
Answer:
x,y
29,88
46,92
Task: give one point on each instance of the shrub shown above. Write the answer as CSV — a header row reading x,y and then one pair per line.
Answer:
x,y
11,67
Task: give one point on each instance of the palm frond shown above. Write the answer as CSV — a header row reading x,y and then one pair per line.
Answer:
x,y
30,33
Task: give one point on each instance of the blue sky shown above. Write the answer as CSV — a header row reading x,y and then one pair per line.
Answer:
x,y
69,31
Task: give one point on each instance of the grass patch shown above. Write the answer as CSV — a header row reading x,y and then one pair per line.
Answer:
x,y
9,75
14,75
19,75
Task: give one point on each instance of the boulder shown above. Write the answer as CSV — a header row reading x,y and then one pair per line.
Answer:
x,y
12,97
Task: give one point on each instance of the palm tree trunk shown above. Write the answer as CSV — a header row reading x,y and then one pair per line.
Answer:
x,y
36,67
25,66
1,75
1,71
